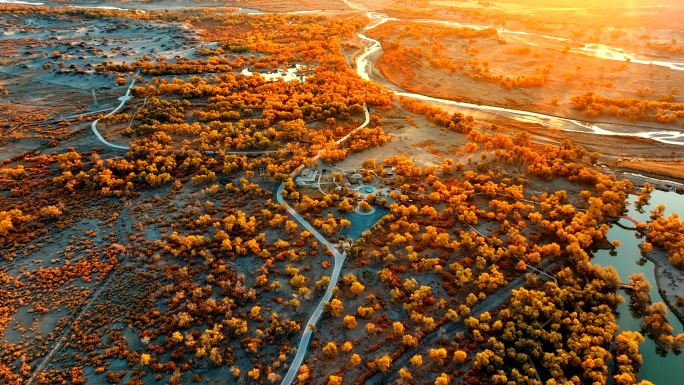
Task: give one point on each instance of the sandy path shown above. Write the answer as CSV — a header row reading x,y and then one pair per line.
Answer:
x,y
123,100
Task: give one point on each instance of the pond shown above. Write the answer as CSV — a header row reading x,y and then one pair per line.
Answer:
x,y
658,367
365,190
362,222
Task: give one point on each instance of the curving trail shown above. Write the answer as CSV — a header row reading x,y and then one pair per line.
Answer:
x,y
126,97
339,261
365,123
123,100
316,315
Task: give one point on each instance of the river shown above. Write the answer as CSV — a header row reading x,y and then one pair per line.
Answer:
x,y
658,367
364,68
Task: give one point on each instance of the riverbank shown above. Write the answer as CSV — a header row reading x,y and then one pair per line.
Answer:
x,y
639,180
669,280
668,169
665,280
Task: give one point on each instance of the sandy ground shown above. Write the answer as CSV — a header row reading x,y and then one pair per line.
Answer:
x,y
136,224
523,46
572,73
618,148
47,314
422,142
674,169
426,145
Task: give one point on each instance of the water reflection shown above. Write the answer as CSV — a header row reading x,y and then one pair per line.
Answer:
x,y
660,366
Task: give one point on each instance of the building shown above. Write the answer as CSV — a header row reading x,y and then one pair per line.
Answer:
x,y
306,177
389,172
356,178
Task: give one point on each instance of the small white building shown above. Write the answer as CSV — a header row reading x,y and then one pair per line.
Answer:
x,y
389,172
306,177
356,178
